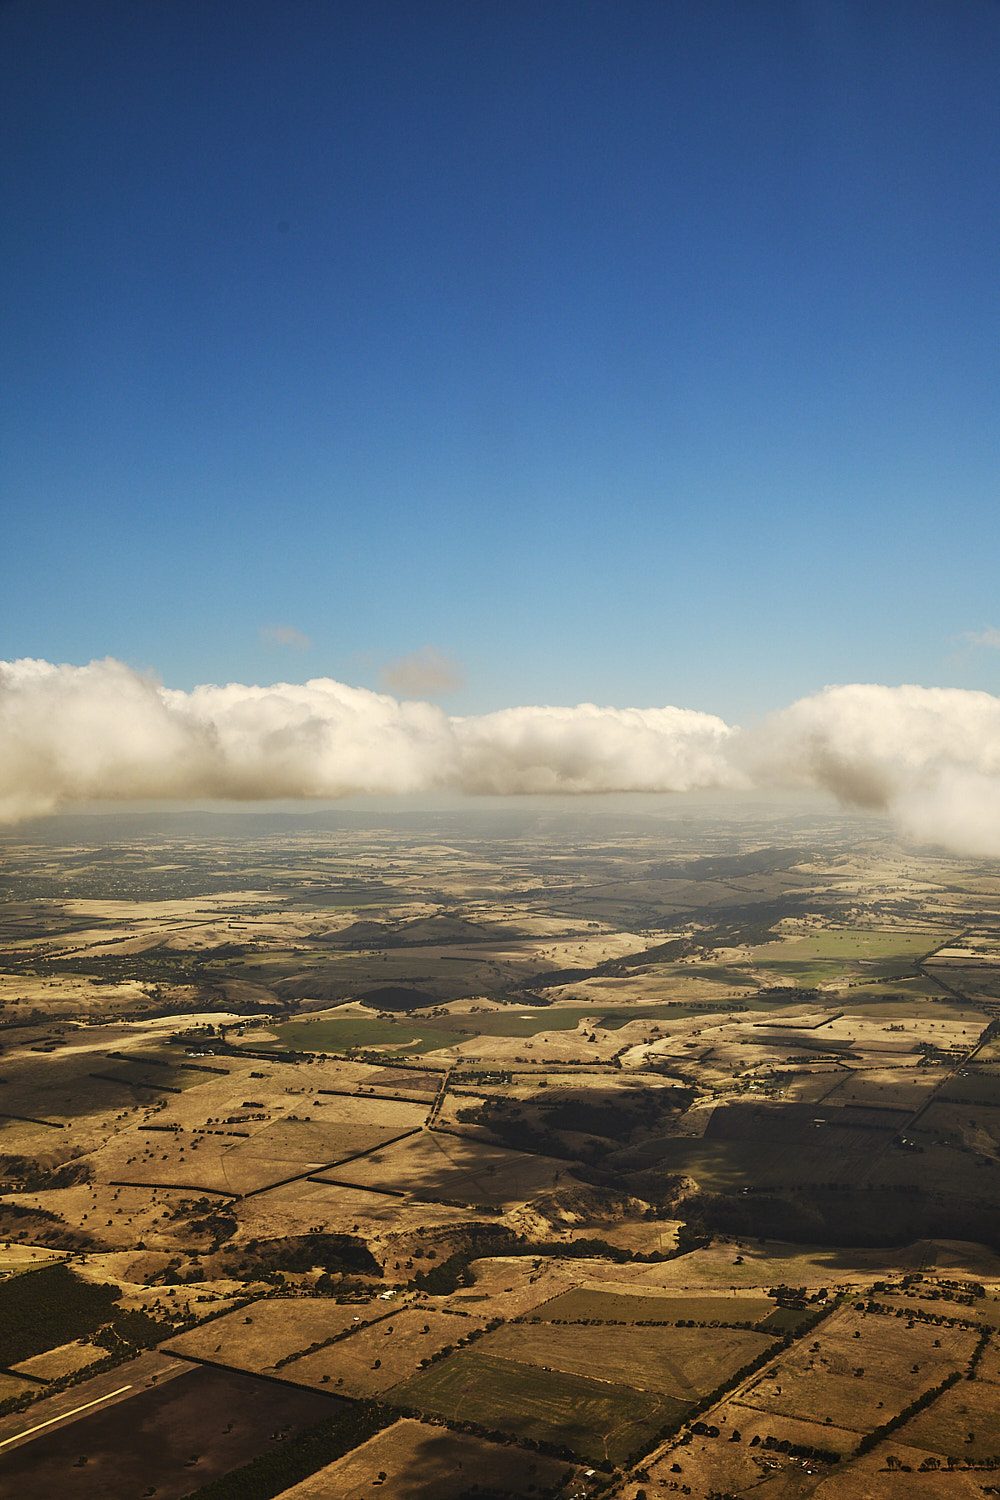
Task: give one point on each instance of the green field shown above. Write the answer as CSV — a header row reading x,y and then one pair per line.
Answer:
x,y
337,1033
341,1033
825,956
592,1418
581,1305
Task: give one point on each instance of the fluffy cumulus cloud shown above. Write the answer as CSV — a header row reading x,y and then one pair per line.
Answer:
x,y
69,734
587,749
928,756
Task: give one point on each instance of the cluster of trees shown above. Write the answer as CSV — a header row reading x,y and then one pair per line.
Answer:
x,y
336,1253
796,1450
49,1307
29,1176
52,1306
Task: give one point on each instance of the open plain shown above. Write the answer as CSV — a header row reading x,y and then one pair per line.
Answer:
x,y
584,1156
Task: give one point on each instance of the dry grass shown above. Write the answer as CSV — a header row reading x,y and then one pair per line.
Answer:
x,y
622,1307
962,1423
439,1166
380,1356
64,1360
858,1382
685,1363
426,1463
255,1337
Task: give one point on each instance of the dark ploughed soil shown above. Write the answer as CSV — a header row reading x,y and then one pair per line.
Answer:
x,y
151,1438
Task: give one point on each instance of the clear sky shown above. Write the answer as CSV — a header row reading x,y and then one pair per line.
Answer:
x,y
633,351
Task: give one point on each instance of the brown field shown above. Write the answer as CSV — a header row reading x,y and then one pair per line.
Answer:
x,y
218,1148
169,1438
422,1462
434,1165
685,1363
815,1383
988,1367
869,1476
962,1423
622,1307
398,1344
255,1337
298,1206
722,1465
66,1359
771,1262
11,1386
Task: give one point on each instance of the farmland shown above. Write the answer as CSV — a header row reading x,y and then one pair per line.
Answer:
x,y
590,1418
576,1135
419,1460
683,1363
178,1435
581,1306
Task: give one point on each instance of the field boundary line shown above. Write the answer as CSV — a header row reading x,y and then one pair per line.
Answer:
x,y
295,1385
310,1174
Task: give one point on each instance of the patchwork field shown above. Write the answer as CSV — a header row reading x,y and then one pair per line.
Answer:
x,y
825,1376
258,1336
960,1424
440,1166
590,1418
606,1077
683,1363
382,1354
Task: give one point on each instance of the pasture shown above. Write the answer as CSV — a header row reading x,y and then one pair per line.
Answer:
x,y
383,1353
428,1463
825,956
683,1363
961,1423
858,1382
583,1305
592,1418
257,1336
434,1165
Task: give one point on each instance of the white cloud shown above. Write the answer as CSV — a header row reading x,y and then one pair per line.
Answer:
x,y
930,757
102,731
588,749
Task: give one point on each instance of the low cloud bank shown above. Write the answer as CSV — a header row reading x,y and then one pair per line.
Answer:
x,y
928,756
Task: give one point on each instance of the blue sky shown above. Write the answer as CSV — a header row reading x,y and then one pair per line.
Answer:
x,y
638,353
